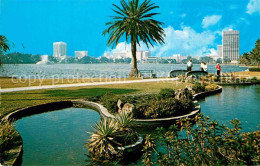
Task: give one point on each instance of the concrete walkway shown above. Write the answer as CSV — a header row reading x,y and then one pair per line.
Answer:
x,y
6,90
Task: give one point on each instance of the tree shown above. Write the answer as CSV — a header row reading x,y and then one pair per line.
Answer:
x,y
219,60
226,60
134,21
3,45
245,59
255,53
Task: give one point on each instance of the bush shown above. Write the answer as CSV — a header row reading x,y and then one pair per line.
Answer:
x,y
210,87
198,88
8,135
254,69
162,108
207,143
109,100
166,93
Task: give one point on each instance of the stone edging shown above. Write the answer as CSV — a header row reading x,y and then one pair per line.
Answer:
x,y
134,146
204,94
161,121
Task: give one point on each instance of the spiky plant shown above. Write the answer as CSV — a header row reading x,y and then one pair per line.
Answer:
x,y
101,143
134,20
124,120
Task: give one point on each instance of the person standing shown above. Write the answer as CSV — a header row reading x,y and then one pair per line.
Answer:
x,y
218,67
202,66
205,67
189,65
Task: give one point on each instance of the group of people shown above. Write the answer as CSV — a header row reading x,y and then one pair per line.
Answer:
x,y
203,66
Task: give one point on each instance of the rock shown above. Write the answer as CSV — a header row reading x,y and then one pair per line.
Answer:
x,y
185,93
127,108
119,104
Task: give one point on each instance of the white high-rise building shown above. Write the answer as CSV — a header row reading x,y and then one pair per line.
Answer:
x,y
177,57
80,54
142,55
230,45
59,49
219,47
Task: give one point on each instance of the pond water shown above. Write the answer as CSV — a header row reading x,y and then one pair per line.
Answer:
x,y
96,70
58,137
241,102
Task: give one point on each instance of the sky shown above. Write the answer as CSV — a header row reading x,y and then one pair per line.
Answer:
x,y
192,27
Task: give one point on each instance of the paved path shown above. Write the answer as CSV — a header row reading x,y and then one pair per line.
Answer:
x,y
83,84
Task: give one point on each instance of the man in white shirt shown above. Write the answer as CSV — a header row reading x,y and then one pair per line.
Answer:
x,y
189,65
203,66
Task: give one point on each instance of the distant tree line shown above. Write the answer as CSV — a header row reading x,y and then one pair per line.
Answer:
x,y
252,57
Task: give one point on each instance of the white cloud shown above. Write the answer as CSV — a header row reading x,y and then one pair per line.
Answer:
x,y
185,42
253,7
210,20
183,15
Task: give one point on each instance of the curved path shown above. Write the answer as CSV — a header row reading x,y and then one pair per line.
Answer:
x,y
6,90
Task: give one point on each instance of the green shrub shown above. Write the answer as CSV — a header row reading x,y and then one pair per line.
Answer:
x,y
166,93
254,69
198,88
8,135
205,143
254,79
109,100
162,108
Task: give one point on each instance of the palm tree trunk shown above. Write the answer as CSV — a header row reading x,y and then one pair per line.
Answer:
x,y
134,70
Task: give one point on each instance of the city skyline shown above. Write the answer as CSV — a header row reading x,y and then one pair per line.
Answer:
x,y
192,28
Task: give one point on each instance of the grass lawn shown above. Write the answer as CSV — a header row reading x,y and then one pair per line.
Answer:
x,y
14,83
15,100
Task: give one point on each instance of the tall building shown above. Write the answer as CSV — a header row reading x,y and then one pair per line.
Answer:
x,y
80,54
59,49
142,55
219,50
230,45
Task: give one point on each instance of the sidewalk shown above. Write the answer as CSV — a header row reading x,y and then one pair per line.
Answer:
x,y
6,90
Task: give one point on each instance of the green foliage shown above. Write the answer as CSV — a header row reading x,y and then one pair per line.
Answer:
x,y
166,93
20,58
198,88
160,105
8,136
254,69
109,100
253,57
208,143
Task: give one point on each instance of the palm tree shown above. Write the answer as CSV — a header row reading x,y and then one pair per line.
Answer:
x,y
134,21
3,45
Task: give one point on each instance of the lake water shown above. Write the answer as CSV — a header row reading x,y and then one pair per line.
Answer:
x,y
58,137
96,70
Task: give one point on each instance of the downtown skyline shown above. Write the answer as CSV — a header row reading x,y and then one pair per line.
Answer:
x,y
192,28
